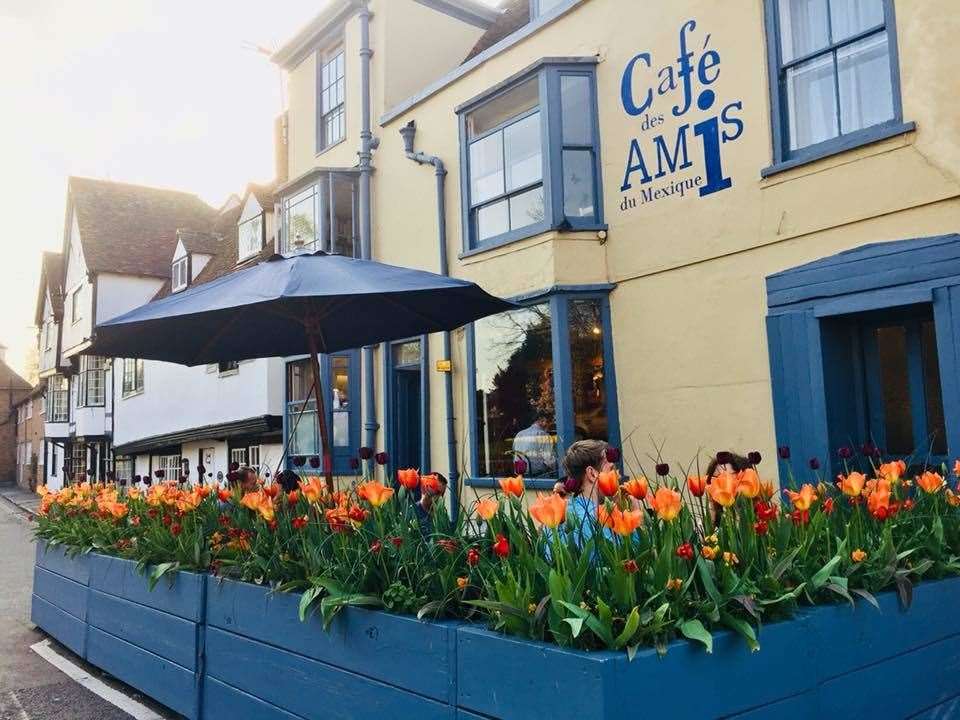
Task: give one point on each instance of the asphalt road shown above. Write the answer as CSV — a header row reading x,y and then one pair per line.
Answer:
x,y
30,687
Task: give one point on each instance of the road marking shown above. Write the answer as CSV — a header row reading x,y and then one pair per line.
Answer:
x,y
16,701
98,687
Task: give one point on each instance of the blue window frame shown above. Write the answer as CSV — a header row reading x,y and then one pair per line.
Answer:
x,y
530,156
539,378
340,380
834,77
872,361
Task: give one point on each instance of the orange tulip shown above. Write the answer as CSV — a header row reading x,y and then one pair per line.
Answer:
x,y
408,478
956,468
486,507
892,471
930,482
858,555
549,510
804,499
853,484
134,494
666,502
766,489
608,482
953,500
259,502
622,522
723,489
312,489
431,485
637,487
748,483
374,492
114,509
512,485
697,484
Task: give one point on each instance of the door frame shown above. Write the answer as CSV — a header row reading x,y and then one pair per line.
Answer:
x,y
390,430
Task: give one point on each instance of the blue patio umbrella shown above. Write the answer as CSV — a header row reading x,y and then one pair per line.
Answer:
x,y
305,304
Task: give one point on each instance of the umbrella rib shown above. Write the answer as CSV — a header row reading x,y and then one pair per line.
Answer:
x,y
219,334
425,318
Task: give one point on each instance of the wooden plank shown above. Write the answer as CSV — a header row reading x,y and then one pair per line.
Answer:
x,y
179,594
947,710
371,643
164,681
222,701
798,707
55,560
306,687
64,593
62,626
161,633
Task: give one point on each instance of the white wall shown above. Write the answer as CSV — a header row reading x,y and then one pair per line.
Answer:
x,y
75,333
48,357
221,461
95,420
117,294
177,398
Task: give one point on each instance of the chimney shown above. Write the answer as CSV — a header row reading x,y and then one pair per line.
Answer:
x,y
280,157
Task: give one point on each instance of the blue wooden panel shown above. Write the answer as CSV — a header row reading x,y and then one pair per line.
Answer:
x,y
223,701
946,315
62,626
948,710
371,643
897,687
310,688
55,560
164,681
166,635
798,707
179,594
58,590
467,715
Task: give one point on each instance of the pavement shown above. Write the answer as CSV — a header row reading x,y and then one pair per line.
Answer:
x,y
30,687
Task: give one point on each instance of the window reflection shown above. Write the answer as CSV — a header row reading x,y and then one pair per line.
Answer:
x,y
515,398
587,370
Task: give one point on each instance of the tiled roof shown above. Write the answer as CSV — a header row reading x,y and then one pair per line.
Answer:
x,y
132,229
51,275
9,379
516,14
263,193
206,243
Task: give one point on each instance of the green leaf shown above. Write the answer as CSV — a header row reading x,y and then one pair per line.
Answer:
x,y
785,562
707,578
632,652
868,596
576,624
633,622
821,576
742,627
694,630
431,608
495,606
306,600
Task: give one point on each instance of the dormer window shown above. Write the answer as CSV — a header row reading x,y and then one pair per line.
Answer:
x,y
180,276
251,238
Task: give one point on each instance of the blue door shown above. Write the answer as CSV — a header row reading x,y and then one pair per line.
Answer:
x,y
407,406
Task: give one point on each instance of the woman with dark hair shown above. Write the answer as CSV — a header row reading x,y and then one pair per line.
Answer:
x,y
726,462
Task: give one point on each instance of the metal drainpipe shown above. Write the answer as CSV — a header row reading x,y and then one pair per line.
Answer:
x,y
408,132
367,144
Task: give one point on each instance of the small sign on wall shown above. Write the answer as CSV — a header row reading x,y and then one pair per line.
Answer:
x,y
444,366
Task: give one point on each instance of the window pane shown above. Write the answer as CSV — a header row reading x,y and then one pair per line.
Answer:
x,y
803,27
493,220
866,93
895,389
849,17
407,353
812,101
299,380
344,235
251,237
522,98
486,168
576,107
544,6
578,198
522,150
340,380
587,370
302,220
526,208
932,393
515,401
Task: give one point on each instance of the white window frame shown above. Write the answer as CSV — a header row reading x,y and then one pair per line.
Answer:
x,y
180,274
76,310
29,408
92,381
251,244
253,453
132,372
335,89
172,466
59,400
238,455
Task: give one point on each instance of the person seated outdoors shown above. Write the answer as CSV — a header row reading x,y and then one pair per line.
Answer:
x,y
538,447
430,492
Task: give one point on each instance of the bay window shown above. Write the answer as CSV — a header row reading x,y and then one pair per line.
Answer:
x,y
321,216
58,395
530,156
91,381
833,75
540,378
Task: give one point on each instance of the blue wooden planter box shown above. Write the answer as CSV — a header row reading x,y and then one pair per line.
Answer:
x,y
59,600
832,660
262,662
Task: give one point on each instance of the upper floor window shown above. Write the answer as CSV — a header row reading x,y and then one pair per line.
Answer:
x,y
76,305
330,98
29,409
251,237
47,335
542,7
834,70
132,376
180,274
172,467
228,367
540,380
91,381
530,156
321,216
58,394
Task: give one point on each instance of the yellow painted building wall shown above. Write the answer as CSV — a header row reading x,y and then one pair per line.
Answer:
x,y
689,306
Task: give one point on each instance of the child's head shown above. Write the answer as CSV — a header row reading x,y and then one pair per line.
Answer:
x,y
248,479
726,462
584,460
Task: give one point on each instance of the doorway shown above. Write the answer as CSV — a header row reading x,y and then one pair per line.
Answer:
x,y
407,400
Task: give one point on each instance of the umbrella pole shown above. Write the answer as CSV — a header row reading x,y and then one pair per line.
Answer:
x,y
321,412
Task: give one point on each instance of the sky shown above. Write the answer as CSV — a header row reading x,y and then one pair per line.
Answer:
x,y
165,93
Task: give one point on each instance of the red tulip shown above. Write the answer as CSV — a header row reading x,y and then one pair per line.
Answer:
x,y
473,557
501,548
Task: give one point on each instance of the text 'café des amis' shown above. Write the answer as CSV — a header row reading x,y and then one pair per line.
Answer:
x,y
726,226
